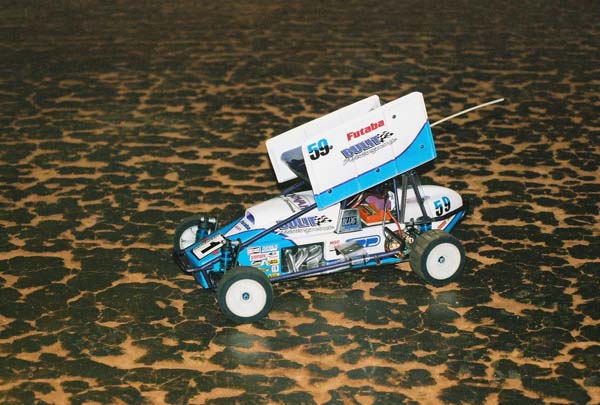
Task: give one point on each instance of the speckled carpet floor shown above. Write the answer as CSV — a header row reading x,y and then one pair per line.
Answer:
x,y
118,119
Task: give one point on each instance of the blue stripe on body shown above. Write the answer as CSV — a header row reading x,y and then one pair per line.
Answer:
x,y
420,151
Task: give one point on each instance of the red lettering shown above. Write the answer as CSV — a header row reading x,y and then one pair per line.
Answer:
x,y
357,134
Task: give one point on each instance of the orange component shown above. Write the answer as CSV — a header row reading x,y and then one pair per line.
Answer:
x,y
370,214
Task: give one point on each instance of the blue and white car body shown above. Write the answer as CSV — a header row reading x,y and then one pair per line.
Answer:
x,y
364,206
316,230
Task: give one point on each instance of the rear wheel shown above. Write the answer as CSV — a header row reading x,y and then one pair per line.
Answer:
x,y
245,294
437,257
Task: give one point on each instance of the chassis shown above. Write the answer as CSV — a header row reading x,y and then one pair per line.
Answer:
x,y
387,217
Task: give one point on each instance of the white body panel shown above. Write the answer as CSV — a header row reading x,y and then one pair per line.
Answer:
x,y
318,226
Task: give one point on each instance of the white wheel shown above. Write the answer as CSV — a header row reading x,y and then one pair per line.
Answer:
x,y
187,234
187,237
437,257
443,261
246,298
245,294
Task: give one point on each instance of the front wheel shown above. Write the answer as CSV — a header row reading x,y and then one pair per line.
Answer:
x,y
245,294
437,257
192,230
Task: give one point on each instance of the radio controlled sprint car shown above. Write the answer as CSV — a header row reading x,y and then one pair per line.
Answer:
x,y
357,202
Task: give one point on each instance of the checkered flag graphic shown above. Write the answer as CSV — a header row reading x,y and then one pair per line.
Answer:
x,y
384,135
322,219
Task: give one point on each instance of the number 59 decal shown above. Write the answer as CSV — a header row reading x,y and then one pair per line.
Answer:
x,y
318,149
441,206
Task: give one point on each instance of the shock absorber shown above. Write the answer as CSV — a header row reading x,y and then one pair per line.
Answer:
x,y
226,256
202,231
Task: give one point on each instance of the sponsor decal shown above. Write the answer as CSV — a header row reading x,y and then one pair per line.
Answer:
x,y
253,250
363,131
332,244
307,224
299,201
367,241
289,203
264,256
349,221
269,248
368,146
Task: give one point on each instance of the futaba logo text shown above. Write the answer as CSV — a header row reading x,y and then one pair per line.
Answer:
x,y
363,131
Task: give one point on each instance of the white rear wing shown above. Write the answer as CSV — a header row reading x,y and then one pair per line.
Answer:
x,y
358,147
